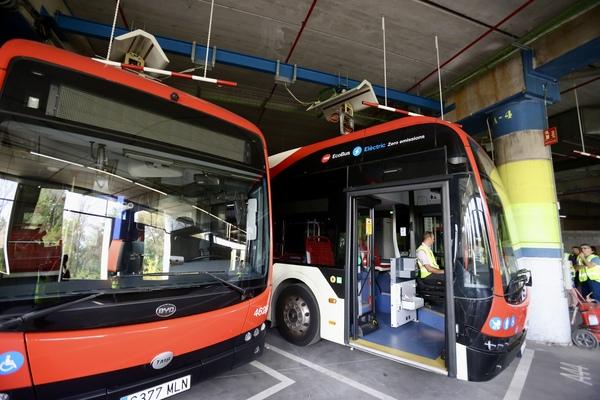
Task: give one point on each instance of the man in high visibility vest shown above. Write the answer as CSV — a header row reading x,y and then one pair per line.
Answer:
x,y
429,268
589,269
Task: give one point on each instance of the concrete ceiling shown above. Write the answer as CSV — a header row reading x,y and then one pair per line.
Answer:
x,y
340,37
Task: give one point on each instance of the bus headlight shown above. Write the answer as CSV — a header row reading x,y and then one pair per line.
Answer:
x,y
256,332
4,396
248,337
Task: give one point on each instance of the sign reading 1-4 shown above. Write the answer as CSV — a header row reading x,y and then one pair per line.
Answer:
x,y
507,115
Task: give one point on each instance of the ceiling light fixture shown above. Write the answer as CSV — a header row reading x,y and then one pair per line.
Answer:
x,y
212,215
111,174
56,159
150,188
219,219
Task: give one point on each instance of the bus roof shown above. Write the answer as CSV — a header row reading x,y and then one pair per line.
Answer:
x,y
281,161
37,51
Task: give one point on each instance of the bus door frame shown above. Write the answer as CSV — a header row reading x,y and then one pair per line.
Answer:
x,y
364,204
351,302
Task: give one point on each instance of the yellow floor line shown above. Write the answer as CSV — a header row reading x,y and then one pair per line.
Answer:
x,y
437,363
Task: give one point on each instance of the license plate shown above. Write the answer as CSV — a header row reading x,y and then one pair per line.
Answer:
x,y
162,391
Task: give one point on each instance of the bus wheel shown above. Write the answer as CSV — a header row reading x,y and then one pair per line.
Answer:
x,y
298,315
584,339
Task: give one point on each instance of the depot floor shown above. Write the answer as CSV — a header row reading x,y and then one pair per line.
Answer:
x,y
329,371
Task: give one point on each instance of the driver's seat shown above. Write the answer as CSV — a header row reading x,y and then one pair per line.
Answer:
x,y
433,293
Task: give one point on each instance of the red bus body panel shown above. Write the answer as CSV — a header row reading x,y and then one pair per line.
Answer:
x,y
257,309
57,356
14,342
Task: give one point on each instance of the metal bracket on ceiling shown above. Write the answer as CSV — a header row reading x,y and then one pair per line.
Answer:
x,y
170,45
520,46
538,84
285,79
213,58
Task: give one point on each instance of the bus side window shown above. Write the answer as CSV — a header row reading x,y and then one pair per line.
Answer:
x,y
319,250
310,213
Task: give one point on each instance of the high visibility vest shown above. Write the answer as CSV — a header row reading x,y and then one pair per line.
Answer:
x,y
432,262
593,273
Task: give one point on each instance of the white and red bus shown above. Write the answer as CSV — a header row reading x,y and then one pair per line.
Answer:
x,y
135,232
348,216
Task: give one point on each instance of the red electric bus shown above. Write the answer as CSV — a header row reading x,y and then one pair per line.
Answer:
x,y
135,232
349,214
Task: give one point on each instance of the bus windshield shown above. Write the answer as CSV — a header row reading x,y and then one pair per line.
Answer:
x,y
474,269
101,194
500,213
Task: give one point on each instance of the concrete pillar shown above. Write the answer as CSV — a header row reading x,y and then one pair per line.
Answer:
x,y
525,166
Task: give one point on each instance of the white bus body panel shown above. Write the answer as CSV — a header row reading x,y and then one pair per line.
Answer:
x,y
331,314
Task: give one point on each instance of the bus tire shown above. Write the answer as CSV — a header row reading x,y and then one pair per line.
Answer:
x,y
297,315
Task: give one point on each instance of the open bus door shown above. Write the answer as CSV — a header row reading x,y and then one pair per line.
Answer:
x,y
388,314
363,262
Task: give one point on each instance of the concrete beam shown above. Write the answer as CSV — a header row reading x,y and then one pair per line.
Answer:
x,y
32,12
570,43
488,89
570,36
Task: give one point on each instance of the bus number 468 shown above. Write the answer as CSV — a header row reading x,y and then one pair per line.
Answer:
x,y
261,311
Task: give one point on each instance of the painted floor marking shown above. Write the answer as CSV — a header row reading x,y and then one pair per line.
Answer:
x,y
518,380
284,381
576,372
363,388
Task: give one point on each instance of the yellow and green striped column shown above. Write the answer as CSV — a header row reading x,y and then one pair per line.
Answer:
x,y
525,167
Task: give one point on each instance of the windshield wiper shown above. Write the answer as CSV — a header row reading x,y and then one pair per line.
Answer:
x,y
241,290
48,310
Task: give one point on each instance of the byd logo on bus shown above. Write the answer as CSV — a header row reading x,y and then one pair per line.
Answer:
x,y
166,310
162,360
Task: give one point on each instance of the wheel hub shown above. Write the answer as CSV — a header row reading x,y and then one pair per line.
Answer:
x,y
296,315
585,339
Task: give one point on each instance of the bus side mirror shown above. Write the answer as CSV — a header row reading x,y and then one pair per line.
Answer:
x,y
525,273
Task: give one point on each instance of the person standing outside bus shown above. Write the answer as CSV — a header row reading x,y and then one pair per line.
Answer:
x,y
430,270
575,251
589,269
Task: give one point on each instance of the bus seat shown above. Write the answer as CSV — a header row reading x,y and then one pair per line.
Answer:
x,y
319,250
114,253
27,252
432,293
